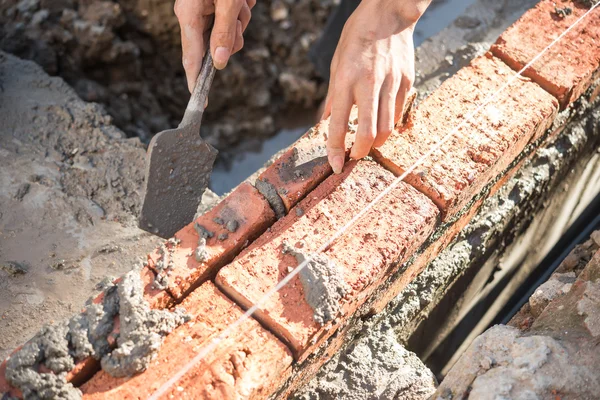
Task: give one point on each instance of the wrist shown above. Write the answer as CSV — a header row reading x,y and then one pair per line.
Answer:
x,y
391,16
409,12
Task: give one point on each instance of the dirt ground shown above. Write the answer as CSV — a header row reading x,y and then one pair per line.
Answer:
x,y
126,55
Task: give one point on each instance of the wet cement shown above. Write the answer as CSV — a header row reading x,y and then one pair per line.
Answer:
x,y
165,263
142,329
59,347
374,367
269,192
323,284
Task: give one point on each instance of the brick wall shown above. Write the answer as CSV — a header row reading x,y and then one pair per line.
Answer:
x,y
228,258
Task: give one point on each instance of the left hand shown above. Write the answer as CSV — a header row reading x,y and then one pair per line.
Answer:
x,y
373,67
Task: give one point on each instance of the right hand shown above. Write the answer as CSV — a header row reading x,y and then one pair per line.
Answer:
x,y
231,18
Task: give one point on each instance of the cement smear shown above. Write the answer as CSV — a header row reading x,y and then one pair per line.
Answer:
x,y
302,162
374,367
142,329
270,193
165,263
323,284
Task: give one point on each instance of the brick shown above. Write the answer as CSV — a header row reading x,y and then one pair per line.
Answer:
x,y
304,165
566,69
390,232
250,215
250,363
482,148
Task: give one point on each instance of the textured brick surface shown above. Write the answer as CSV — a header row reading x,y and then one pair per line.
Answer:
x,y
566,69
249,213
246,365
482,148
392,230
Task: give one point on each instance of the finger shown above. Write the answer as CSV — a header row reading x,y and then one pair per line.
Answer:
x,y
326,107
251,3
192,45
367,123
245,16
327,104
401,100
386,110
222,38
341,105
239,39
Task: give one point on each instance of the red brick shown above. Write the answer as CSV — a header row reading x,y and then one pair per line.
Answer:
x,y
250,363
389,232
566,69
247,208
481,149
5,388
440,244
304,165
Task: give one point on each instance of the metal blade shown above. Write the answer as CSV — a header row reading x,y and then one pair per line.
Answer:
x,y
178,167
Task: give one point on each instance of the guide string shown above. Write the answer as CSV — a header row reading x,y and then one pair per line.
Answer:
x,y
469,118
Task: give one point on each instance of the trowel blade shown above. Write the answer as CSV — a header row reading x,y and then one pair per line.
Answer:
x,y
178,167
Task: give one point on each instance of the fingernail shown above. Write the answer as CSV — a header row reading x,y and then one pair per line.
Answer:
x,y
221,57
337,164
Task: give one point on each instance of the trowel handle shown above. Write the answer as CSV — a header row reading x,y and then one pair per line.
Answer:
x,y
195,108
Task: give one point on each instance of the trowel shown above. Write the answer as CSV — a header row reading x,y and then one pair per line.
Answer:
x,y
178,166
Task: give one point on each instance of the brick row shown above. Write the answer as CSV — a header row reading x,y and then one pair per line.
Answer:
x,y
566,69
481,148
247,364
347,271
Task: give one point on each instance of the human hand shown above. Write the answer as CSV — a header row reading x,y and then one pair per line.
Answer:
x,y
231,17
373,67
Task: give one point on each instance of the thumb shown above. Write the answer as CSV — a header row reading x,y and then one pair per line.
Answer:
x,y
223,34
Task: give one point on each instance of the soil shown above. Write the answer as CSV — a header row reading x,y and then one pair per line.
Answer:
x,y
126,55
74,223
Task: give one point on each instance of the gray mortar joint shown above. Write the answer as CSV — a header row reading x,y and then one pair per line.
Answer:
x,y
59,347
269,192
165,263
323,284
